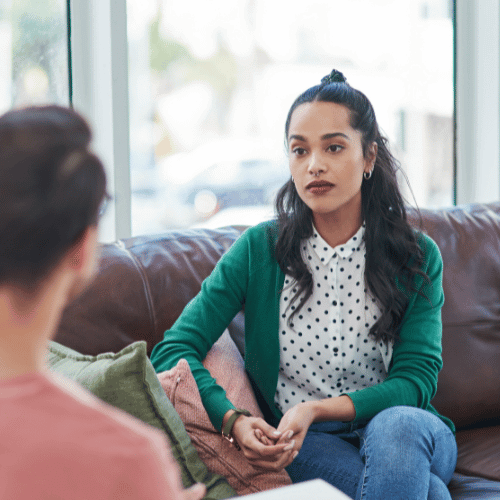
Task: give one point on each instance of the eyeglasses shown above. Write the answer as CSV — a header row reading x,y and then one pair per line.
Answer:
x,y
104,205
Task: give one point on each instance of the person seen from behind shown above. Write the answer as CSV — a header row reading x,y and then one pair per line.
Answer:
x,y
58,440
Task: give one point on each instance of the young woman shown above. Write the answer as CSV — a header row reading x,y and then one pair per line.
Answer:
x,y
59,441
342,316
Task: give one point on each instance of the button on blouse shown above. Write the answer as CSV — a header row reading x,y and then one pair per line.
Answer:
x,y
325,350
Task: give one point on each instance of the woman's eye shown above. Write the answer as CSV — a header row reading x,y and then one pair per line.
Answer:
x,y
334,148
298,151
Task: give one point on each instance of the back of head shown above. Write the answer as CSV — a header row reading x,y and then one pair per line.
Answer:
x,y
51,190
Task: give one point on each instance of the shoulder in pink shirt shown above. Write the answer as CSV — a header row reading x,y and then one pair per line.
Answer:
x,y
58,441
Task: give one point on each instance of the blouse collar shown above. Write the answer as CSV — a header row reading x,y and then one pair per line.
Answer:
x,y
325,252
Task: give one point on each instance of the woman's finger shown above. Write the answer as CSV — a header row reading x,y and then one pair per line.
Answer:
x,y
292,457
285,437
267,430
278,465
260,436
258,450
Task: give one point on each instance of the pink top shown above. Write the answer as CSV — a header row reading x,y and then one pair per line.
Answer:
x,y
58,441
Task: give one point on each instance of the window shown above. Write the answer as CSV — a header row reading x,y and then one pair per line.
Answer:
x,y
210,88
33,53
431,55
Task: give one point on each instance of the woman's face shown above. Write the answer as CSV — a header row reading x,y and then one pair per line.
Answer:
x,y
326,159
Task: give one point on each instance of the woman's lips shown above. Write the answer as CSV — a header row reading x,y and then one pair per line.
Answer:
x,y
319,187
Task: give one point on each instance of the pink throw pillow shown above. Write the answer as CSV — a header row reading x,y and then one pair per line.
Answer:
x,y
227,367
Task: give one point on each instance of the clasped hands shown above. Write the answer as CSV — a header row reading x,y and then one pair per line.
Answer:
x,y
263,445
270,448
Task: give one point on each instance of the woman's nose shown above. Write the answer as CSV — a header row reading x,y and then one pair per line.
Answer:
x,y
315,166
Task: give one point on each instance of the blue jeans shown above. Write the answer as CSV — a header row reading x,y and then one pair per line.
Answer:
x,y
401,453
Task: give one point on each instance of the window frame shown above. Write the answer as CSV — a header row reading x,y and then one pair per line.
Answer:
x,y
477,101
99,62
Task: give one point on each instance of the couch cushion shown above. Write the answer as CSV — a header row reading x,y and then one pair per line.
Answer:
x,y
128,381
478,452
226,365
464,487
468,389
469,240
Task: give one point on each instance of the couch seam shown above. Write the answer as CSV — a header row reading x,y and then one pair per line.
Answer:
x,y
174,442
147,289
142,271
217,236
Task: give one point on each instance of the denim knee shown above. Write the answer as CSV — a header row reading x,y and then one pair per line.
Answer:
x,y
405,446
401,422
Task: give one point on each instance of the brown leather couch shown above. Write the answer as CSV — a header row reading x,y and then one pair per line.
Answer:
x,y
144,283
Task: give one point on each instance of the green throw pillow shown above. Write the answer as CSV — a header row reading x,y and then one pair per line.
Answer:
x,y
128,381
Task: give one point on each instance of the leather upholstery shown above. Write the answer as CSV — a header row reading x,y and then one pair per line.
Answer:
x,y
141,287
144,283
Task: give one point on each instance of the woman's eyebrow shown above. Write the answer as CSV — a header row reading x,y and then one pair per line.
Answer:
x,y
334,134
323,137
297,137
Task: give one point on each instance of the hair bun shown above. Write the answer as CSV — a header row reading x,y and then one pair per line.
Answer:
x,y
334,77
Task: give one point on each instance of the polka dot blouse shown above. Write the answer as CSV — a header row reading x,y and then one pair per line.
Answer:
x,y
325,351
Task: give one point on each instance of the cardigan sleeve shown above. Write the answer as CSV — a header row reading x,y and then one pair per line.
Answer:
x,y
203,321
416,360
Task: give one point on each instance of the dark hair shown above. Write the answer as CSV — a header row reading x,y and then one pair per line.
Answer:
x,y
392,249
51,189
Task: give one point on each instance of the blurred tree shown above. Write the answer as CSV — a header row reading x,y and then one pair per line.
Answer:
x,y
163,52
40,35
176,66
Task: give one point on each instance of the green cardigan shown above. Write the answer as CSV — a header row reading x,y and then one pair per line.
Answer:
x,y
248,275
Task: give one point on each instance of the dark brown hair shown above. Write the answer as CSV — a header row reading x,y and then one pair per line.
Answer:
x,y
51,190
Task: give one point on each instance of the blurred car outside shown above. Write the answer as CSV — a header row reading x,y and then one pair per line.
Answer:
x,y
219,176
238,216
